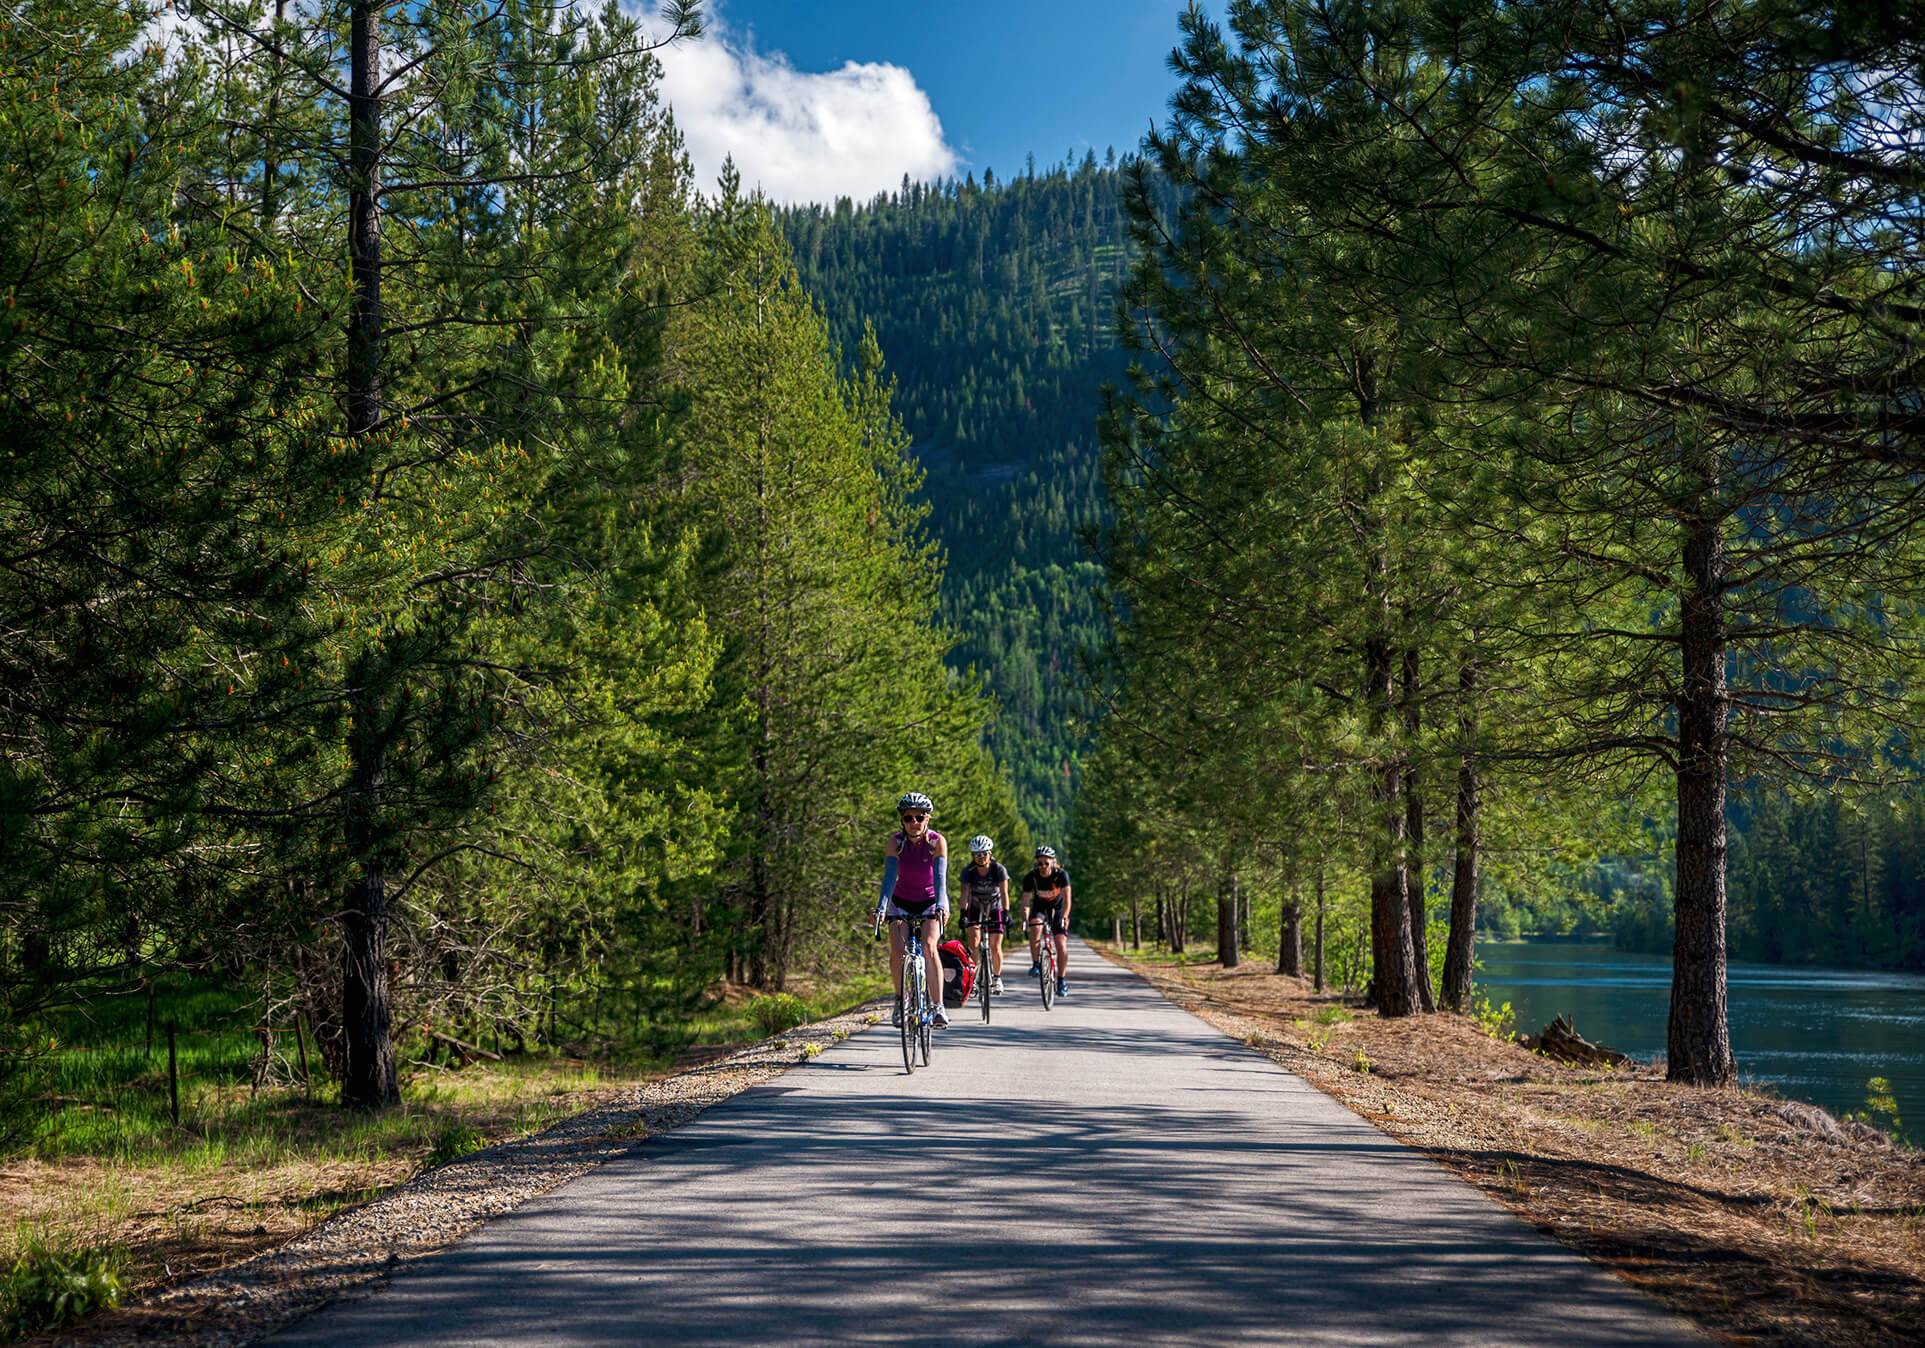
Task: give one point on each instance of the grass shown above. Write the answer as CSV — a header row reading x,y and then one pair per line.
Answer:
x,y
778,1011
1157,955
456,1139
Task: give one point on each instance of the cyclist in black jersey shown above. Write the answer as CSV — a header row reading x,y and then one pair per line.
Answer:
x,y
1046,894
985,891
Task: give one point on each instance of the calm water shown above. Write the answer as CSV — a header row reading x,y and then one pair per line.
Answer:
x,y
1815,1034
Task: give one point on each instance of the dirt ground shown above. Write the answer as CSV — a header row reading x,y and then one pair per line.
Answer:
x,y
1765,1220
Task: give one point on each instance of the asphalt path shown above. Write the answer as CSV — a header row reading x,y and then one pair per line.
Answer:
x,y
1112,1171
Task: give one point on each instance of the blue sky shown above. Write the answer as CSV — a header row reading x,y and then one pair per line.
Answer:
x,y
818,98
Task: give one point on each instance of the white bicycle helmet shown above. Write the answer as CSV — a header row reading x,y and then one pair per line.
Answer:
x,y
915,800
1046,851
981,843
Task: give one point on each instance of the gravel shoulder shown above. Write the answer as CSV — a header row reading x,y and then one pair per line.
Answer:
x,y
1764,1220
253,1299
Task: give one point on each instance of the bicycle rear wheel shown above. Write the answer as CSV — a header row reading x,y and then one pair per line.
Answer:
x,y
908,1023
924,1038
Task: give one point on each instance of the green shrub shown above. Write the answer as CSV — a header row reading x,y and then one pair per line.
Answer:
x,y
1333,1015
454,1141
49,1288
1499,1022
1881,1107
777,1012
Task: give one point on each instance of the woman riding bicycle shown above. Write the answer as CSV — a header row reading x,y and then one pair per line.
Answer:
x,y
1046,914
985,890
915,885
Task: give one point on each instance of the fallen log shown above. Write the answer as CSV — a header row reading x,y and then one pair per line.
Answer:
x,y
1561,1040
469,1052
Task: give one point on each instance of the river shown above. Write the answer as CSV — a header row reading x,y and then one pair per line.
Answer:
x,y
1813,1034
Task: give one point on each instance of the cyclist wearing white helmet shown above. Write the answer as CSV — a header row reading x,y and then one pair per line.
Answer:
x,y
1046,892
985,891
915,884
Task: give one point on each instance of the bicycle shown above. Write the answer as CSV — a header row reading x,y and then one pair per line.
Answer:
x,y
913,1010
983,980
1045,962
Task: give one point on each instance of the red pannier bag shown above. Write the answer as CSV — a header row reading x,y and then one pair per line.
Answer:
x,y
958,973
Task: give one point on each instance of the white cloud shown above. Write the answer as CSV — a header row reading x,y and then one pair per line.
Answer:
x,y
800,135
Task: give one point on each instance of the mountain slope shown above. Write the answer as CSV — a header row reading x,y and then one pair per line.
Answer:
x,y
993,305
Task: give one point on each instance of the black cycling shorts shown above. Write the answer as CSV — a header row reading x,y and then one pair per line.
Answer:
x,y
929,908
991,915
1051,915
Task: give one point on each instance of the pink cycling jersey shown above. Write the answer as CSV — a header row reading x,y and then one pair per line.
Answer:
x,y
916,868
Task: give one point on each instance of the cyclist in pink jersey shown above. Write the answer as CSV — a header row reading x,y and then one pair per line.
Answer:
x,y
915,884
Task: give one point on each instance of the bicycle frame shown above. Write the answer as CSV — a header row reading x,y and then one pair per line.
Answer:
x,y
913,1004
983,979
1046,961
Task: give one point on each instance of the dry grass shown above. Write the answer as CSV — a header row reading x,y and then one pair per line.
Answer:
x,y
1765,1220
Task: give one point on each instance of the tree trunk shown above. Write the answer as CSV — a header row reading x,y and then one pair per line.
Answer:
x,y
270,148
756,921
364,219
1136,923
1461,948
1290,937
369,1078
1414,839
1226,923
1318,952
1698,1042
1393,972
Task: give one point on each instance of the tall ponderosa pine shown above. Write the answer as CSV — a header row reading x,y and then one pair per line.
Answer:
x,y
825,596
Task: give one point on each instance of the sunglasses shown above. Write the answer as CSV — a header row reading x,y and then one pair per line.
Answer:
x,y
916,815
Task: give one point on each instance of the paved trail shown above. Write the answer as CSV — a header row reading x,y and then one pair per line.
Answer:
x,y
1112,1171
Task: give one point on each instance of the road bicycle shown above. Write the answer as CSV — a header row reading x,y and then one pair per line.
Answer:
x,y
914,1011
1045,962
983,980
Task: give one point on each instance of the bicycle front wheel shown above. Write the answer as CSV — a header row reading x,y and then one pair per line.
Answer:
x,y
982,978
908,1022
1049,980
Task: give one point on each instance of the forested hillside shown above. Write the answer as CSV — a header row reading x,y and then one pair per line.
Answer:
x,y
993,305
